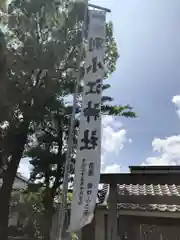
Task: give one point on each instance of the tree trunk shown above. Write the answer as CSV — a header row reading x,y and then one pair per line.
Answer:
x,y
5,196
49,211
4,209
8,179
47,225
4,101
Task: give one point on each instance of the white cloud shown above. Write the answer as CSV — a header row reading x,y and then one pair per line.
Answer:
x,y
114,168
25,167
114,137
176,101
109,120
168,149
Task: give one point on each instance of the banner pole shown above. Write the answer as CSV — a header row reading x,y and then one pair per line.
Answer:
x,y
70,135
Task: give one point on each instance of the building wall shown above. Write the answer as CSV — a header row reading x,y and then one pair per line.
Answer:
x,y
97,229
13,219
132,224
19,184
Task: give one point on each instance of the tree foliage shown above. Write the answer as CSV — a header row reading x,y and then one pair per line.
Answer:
x,y
29,209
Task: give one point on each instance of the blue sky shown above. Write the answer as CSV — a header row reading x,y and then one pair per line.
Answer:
x,y
147,77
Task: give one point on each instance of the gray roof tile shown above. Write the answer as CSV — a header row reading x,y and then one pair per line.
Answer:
x,y
131,189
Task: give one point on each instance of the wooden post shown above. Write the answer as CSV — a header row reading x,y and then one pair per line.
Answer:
x,y
88,231
128,228
112,215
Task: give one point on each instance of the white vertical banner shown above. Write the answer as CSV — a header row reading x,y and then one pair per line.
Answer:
x,y
88,161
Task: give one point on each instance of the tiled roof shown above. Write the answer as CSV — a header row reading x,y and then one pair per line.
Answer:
x,y
24,179
153,190
103,195
161,190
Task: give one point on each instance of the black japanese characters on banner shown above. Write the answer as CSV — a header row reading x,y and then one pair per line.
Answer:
x,y
89,142
80,200
94,87
92,111
91,169
89,185
89,192
94,66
